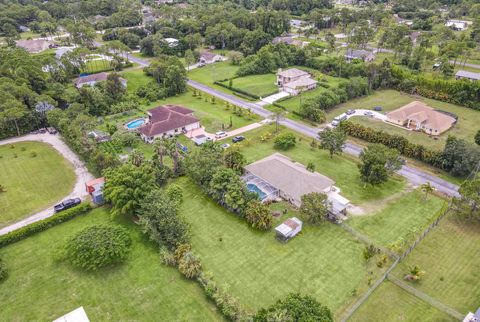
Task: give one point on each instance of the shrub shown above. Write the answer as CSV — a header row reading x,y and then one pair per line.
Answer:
x,y
98,246
42,225
258,215
370,251
285,141
3,271
33,154
190,265
314,207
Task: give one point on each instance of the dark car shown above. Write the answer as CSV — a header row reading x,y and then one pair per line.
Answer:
x,y
377,108
239,138
350,112
66,204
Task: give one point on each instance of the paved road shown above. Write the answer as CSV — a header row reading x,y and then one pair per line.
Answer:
x,y
81,172
466,64
413,175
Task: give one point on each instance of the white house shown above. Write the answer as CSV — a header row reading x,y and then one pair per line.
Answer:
x,y
289,228
172,42
167,121
458,25
463,74
207,57
472,317
365,55
294,81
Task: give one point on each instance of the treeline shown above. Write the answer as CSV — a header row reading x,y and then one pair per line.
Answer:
x,y
459,157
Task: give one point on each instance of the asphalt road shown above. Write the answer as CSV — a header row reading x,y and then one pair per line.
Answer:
x,y
415,176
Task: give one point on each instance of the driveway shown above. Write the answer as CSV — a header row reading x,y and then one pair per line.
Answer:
x,y
275,97
374,114
201,131
81,172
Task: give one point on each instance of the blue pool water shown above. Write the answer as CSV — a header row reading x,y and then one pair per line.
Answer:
x,y
253,188
134,124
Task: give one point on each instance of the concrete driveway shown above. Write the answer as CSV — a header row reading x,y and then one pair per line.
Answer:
x,y
273,98
81,172
374,114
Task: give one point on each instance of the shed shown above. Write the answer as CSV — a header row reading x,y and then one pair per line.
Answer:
x,y
95,185
77,315
289,228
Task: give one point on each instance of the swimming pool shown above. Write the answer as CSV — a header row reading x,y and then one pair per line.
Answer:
x,y
135,123
253,188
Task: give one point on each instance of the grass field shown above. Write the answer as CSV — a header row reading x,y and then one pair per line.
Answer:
x,y
465,128
342,169
449,257
32,183
136,78
400,220
325,261
96,66
42,288
260,85
214,72
389,300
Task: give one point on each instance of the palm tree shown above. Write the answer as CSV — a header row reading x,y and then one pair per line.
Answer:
x,y
427,188
137,158
161,149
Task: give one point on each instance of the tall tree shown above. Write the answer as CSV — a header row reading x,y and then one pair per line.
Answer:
x,y
378,162
314,207
332,140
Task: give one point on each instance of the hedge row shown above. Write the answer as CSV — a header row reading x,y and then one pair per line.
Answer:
x,y
44,224
237,90
398,142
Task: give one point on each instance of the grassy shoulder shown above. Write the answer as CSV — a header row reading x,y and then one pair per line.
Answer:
x,y
392,301
32,182
260,85
140,289
323,261
449,257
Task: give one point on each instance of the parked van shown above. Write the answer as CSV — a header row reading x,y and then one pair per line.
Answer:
x,y
338,119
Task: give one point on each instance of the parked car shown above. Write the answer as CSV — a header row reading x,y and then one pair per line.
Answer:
x,y
66,204
377,108
225,146
220,135
350,112
338,119
368,113
238,138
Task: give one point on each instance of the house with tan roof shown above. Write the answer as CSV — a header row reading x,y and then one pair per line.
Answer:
x,y
421,117
294,81
35,45
207,57
277,176
167,121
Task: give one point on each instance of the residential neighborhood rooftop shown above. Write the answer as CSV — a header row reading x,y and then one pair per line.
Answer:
x,y
292,73
166,118
467,74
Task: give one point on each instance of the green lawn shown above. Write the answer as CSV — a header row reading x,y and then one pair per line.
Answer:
x,y
96,66
214,72
260,85
342,169
400,220
325,261
449,257
42,288
136,78
465,128
389,300
32,183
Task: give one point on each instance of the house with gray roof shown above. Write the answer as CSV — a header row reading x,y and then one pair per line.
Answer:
x,y
361,54
294,81
463,74
277,176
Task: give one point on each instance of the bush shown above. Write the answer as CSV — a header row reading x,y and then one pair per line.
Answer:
x,y
42,225
258,215
190,265
98,246
285,141
3,271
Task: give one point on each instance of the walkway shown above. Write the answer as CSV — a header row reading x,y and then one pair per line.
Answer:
x,y
81,172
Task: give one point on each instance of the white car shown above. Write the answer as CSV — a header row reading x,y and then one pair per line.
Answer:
x,y
220,135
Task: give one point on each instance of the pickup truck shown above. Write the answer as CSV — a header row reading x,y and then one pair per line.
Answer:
x,y
66,204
